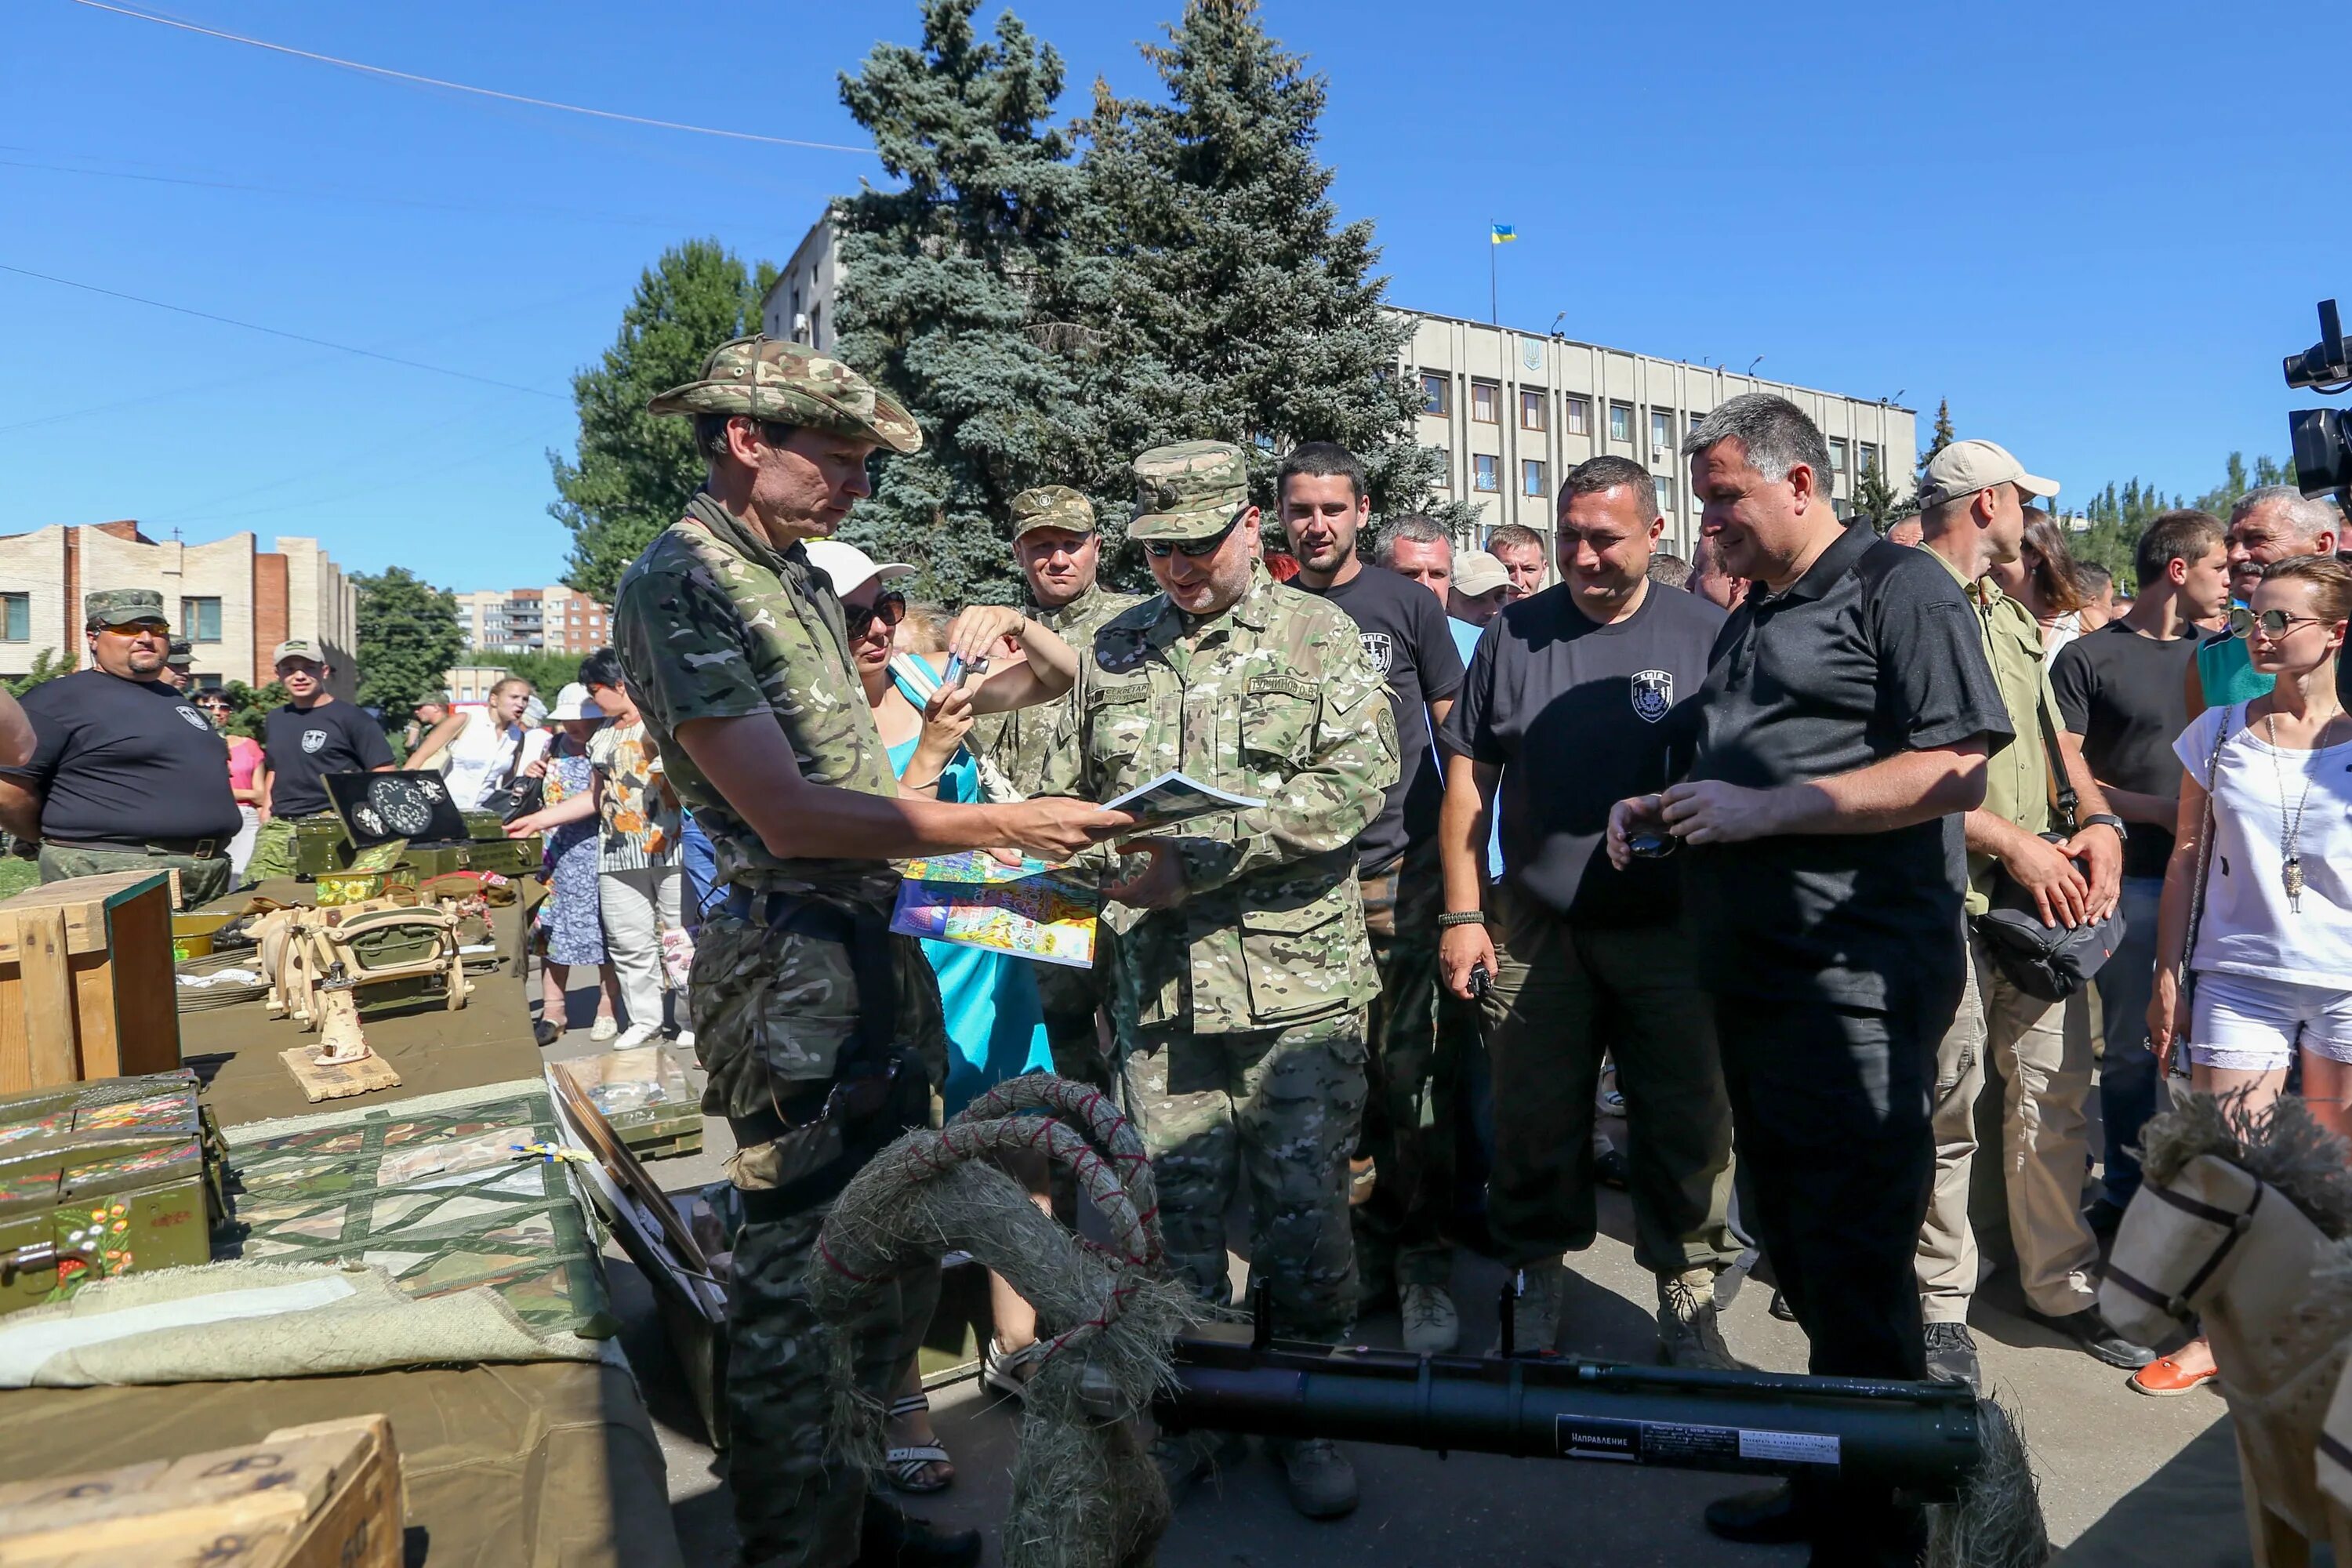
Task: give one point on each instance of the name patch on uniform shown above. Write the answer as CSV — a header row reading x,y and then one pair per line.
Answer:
x,y
1654,693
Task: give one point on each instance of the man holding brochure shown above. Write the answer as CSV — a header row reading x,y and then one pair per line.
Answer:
x,y
1243,969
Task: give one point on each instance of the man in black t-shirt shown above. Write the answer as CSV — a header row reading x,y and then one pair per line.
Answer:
x,y
1847,714
125,774
2123,690
1578,697
301,742
1408,1111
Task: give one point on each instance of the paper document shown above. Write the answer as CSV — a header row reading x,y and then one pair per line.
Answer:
x,y
1174,797
1042,913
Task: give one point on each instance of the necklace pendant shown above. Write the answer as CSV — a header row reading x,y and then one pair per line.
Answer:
x,y
2291,873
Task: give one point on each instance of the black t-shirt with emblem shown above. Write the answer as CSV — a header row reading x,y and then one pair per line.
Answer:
x,y
125,762
1405,634
1578,716
305,745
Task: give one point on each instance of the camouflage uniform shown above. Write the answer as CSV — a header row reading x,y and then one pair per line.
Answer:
x,y
712,621
1015,742
1246,999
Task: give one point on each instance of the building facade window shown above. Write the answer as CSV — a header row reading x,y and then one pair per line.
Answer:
x,y
1869,451
16,618
1482,402
1621,422
1531,410
1531,478
199,620
1483,472
1665,489
1661,429
1437,393
1579,417
1837,456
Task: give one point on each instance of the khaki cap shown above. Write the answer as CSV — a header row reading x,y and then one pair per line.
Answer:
x,y
1965,467
1051,506
1477,573
120,606
1192,490
181,654
792,384
298,648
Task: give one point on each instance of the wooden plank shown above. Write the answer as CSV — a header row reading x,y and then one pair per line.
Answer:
x,y
86,900
337,1080
94,980
146,992
49,995
15,1044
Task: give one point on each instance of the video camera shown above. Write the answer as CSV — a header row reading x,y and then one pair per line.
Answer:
x,y
2322,437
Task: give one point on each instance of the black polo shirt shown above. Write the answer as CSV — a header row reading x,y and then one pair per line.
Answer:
x,y
1872,652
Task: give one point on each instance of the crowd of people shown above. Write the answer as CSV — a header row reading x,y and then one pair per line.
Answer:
x,y
1796,855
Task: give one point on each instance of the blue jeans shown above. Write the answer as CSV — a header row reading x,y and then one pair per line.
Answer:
x,y
2127,1083
701,861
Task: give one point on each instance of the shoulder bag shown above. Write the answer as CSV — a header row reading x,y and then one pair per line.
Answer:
x,y
2051,962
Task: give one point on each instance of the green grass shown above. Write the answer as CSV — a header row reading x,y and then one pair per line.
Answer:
x,y
16,876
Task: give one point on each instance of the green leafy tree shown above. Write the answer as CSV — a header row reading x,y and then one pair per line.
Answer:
x,y
946,285
249,706
48,665
634,470
408,638
549,673
1235,304
1939,438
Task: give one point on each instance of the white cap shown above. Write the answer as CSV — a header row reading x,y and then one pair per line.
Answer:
x,y
850,568
1477,573
1964,468
572,702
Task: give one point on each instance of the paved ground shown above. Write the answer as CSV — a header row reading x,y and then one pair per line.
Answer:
x,y
2124,1480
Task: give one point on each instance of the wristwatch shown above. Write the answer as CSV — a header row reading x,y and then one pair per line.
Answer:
x,y
2109,819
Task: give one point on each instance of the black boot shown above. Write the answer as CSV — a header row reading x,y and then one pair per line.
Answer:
x,y
890,1539
1773,1516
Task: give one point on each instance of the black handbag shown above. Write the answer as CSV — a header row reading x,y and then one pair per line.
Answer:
x,y
2051,962
515,796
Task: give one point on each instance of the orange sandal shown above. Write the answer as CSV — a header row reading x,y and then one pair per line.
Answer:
x,y
2165,1376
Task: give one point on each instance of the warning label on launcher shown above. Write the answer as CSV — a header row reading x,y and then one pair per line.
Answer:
x,y
1682,1446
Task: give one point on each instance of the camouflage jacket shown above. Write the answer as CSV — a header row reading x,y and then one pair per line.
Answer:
x,y
1272,698
712,622
1016,741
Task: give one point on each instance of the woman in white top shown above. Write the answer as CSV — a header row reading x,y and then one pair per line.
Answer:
x,y
484,748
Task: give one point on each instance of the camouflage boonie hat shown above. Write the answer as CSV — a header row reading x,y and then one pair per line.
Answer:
x,y
1051,506
120,606
1189,491
181,655
792,384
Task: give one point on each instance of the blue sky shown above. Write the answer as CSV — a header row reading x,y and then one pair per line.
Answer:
x,y
2077,221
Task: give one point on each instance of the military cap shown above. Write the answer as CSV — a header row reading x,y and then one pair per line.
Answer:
x,y
120,606
181,655
298,648
791,383
1189,491
1051,506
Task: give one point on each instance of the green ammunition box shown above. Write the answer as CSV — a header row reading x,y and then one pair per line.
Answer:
x,y
645,1096
321,846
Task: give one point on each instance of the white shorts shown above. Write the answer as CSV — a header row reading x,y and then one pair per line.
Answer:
x,y
2249,1025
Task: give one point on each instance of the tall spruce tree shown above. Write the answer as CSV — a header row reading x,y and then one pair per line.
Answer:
x,y
1937,439
945,288
636,470
1236,306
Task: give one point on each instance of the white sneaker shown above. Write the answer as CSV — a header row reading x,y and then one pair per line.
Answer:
x,y
685,1038
636,1034
604,1029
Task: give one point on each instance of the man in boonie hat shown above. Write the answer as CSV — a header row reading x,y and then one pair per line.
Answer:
x,y
820,1030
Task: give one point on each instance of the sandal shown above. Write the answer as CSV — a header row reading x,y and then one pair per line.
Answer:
x,y
546,1031
910,1469
1009,1372
2164,1377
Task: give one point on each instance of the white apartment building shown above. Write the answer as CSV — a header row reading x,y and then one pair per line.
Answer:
x,y
555,619
800,303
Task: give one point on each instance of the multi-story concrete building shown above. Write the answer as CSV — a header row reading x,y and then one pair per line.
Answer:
x,y
800,303
233,600
1513,411
555,619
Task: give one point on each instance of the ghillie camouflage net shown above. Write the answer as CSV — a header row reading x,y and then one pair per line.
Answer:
x,y
1997,1522
2283,1145
1085,1493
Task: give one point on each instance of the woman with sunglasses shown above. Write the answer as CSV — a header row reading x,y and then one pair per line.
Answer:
x,y
2266,813
243,780
995,1021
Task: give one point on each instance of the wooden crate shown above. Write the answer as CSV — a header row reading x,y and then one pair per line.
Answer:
x,y
87,988
325,1496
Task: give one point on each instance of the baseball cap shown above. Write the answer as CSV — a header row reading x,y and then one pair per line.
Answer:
x,y
298,648
1965,467
1189,491
1475,573
120,606
181,655
1051,506
792,384
846,566
573,702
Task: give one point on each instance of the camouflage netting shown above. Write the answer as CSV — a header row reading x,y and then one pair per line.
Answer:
x,y
1085,1493
1997,1522
2283,1145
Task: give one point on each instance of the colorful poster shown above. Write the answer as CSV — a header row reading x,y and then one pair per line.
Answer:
x,y
1048,916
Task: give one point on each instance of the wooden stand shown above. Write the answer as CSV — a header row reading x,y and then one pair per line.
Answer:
x,y
86,983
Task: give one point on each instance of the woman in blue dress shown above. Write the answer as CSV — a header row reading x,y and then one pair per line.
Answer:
x,y
995,1026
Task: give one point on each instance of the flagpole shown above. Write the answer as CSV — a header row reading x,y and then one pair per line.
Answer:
x,y
1494,307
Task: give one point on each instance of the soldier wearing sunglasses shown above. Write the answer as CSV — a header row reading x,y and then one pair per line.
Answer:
x,y
125,774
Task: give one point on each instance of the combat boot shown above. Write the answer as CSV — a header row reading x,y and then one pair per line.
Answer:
x,y
1432,1325
890,1539
1535,1317
1320,1478
1689,1332
1184,1458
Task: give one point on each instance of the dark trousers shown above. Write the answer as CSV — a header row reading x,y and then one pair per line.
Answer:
x,y
1411,1080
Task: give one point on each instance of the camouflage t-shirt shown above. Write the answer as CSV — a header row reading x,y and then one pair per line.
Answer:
x,y
712,622
1274,699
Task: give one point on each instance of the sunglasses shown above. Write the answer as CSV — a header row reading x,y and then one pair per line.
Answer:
x,y
2275,623
887,609
215,704
141,629
1193,548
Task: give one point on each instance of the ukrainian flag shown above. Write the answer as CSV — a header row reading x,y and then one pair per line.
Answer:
x,y
1503,234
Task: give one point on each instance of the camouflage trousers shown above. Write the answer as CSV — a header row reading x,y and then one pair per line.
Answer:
x,y
1411,1072
273,851
201,882
1275,1111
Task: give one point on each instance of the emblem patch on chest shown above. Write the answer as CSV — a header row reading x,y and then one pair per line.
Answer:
x,y
193,717
1380,650
313,738
1654,693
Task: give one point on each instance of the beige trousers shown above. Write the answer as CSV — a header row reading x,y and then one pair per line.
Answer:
x,y
2042,1050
